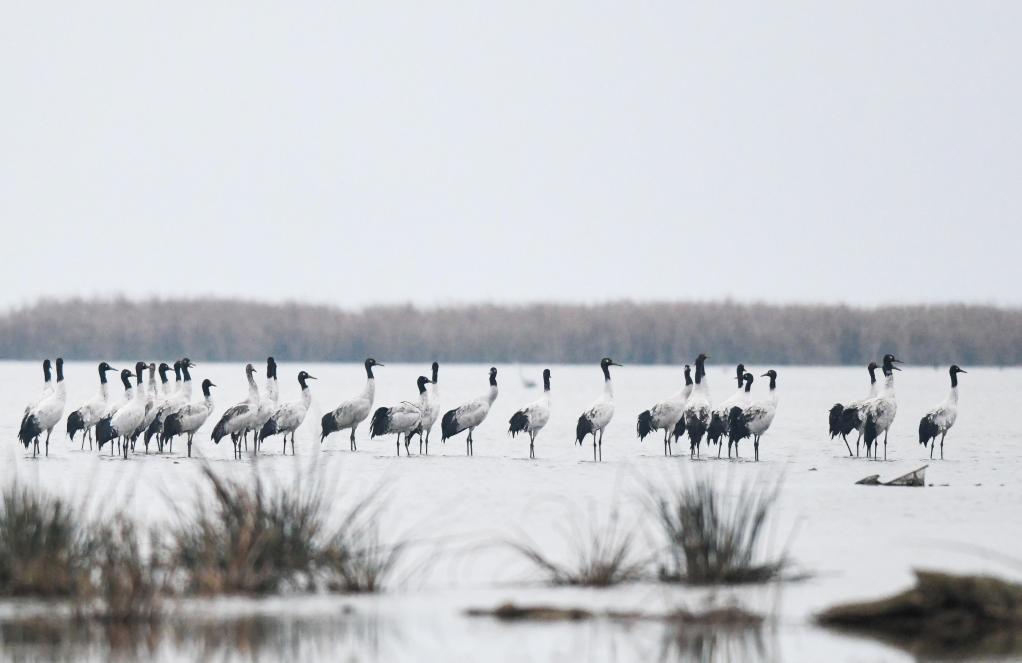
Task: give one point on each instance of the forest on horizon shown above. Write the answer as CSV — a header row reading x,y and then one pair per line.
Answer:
x,y
222,329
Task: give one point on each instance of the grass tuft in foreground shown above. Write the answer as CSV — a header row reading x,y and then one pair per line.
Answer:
x,y
40,544
712,541
254,540
602,557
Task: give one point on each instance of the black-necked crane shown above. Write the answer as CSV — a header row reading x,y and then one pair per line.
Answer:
x,y
238,419
404,418
598,415
289,416
844,419
879,411
470,415
533,417
753,420
129,415
188,420
91,411
940,419
697,408
665,415
45,412
716,432
352,412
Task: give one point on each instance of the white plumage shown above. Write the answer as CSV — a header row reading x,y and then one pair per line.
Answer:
x,y
753,420
716,431
697,408
350,413
47,410
940,419
91,411
470,415
533,417
238,419
189,419
268,401
432,411
595,419
128,416
404,418
844,419
665,415
289,416
879,411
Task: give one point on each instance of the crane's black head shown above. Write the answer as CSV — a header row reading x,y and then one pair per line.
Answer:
x,y
302,377
60,369
46,366
187,363
748,381
206,384
140,367
421,382
372,362
104,367
701,359
740,373
546,379
493,376
607,361
688,374
126,378
162,369
271,367
955,369
772,374
889,363
177,370
436,371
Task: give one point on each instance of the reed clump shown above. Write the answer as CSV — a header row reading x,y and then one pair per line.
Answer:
x,y
255,540
713,540
40,544
603,556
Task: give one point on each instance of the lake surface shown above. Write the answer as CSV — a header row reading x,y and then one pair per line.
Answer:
x,y
857,542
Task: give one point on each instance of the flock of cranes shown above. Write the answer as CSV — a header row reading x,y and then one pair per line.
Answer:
x,y
163,409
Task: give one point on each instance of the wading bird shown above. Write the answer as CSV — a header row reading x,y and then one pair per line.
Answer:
x,y
940,419
596,418
350,413
697,408
91,411
533,417
189,419
289,416
716,432
122,423
404,418
880,411
45,413
237,420
844,419
470,415
753,420
665,415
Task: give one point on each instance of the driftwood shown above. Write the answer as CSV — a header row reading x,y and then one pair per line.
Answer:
x,y
728,616
942,615
916,477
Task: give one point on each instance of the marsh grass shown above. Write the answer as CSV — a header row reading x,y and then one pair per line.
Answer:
x,y
713,540
40,544
256,539
601,556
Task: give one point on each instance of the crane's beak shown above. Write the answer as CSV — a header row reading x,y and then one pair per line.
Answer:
x,y
895,367
312,377
614,363
962,370
379,364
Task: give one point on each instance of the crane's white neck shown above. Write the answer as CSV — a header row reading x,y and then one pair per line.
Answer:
x,y
253,388
491,395
369,391
608,388
953,396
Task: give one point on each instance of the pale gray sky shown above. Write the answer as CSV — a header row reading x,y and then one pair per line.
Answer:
x,y
436,152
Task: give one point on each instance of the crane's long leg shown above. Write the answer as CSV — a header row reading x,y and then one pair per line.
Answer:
x,y
942,444
845,438
353,437
471,443
408,441
601,445
885,445
756,443
857,440
427,443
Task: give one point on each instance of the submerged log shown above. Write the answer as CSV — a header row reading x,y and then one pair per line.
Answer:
x,y
943,613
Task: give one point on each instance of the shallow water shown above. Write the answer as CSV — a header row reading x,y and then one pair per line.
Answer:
x,y
856,541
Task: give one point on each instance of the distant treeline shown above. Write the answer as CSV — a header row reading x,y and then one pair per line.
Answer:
x,y
638,333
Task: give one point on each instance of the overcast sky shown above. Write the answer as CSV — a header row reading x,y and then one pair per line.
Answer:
x,y
352,153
